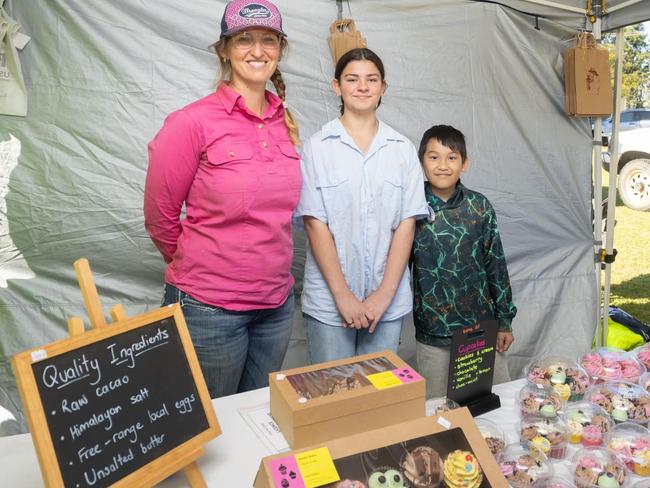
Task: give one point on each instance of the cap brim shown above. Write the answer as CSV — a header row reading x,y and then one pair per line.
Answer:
x,y
237,29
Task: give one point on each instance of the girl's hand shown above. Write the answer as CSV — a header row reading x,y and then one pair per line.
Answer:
x,y
504,339
377,303
354,312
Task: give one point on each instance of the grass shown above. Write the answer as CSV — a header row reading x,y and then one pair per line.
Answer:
x,y
630,288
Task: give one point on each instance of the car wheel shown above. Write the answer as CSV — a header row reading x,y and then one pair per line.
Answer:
x,y
634,184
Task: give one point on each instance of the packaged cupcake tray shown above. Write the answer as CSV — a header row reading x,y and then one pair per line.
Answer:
x,y
610,364
535,400
546,435
587,424
595,467
630,443
523,467
621,400
445,452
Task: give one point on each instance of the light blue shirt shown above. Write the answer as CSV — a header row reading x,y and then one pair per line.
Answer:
x,y
362,198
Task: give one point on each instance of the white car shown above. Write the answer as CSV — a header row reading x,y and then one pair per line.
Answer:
x,y
633,168
632,118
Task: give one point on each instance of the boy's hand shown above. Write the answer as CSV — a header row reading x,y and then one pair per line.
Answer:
x,y
377,303
354,312
504,339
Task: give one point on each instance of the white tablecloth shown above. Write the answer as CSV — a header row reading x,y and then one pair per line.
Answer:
x,y
232,459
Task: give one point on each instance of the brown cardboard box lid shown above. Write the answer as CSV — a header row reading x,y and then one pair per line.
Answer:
x,y
393,434
344,403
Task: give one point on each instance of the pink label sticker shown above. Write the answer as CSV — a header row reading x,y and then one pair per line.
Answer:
x,y
285,473
407,375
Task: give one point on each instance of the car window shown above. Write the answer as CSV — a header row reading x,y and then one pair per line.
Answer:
x,y
644,115
627,116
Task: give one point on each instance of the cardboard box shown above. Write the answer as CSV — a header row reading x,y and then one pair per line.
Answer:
x,y
326,401
403,436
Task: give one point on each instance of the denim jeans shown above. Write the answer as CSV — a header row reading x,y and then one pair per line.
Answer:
x,y
236,350
328,342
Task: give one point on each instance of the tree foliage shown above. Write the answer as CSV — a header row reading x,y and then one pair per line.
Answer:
x,y
635,85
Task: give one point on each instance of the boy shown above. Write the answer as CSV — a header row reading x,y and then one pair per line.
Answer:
x,y
459,270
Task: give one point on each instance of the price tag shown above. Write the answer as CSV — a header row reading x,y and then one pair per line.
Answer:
x,y
317,467
308,469
407,375
383,380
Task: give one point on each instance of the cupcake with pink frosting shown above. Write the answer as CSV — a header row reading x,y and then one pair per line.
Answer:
x,y
642,353
621,400
522,467
630,442
595,467
610,364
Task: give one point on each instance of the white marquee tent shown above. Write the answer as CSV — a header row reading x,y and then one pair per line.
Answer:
x,y
101,76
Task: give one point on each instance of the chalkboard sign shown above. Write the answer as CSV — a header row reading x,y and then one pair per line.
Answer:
x,y
107,403
471,367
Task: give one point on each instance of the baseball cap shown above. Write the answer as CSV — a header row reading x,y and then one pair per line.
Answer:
x,y
246,14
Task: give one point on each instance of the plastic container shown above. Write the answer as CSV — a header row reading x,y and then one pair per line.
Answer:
x,y
611,364
537,401
630,443
435,406
493,435
562,374
522,467
642,353
644,381
596,467
547,435
588,424
554,482
622,401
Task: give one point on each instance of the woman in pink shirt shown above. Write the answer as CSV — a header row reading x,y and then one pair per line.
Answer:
x,y
230,158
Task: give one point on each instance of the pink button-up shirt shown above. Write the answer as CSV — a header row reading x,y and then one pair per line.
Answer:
x,y
238,175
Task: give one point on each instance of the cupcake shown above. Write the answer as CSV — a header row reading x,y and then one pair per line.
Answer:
x,y
642,353
592,436
436,406
493,435
522,467
596,467
554,482
630,443
623,401
422,466
461,470
386,478
563,375
610,364
550,436
350,484
537,401
644,381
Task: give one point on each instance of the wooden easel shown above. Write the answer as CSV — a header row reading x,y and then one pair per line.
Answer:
x,y
186,463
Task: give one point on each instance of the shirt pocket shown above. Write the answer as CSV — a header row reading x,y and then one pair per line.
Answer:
x,y
231,167
391,199
284,171
337,197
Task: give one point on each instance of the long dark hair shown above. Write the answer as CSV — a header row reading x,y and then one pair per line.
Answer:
x,y
358,54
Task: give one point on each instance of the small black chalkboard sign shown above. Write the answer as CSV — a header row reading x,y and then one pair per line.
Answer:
x,y
471,367
107,403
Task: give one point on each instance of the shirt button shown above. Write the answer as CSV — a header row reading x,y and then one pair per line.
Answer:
x,y
231,153
264,144
260,126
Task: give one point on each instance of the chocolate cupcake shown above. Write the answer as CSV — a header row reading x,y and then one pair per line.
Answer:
x,y
422,466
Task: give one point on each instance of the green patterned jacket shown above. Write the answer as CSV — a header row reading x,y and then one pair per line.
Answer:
x,y
459,269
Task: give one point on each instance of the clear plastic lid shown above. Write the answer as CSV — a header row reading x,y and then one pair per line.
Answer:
x,y
522,467
630,443
554,482
596,467
562,374
623,401
644,381
611,364
493,435
587,423
535,400
547,435
642,353
435,406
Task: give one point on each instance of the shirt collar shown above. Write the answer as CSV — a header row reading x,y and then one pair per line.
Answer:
x,y
436,202
231,98
385,133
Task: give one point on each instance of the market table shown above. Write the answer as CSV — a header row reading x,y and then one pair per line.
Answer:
x,y
249,434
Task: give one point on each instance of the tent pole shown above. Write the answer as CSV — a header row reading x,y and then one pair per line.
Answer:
x,y
596,159
613,171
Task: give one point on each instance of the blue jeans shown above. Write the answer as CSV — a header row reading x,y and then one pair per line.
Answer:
x,y
329,342
236,350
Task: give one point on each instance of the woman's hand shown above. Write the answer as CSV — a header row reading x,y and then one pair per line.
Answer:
x,y
354,312
377,303
504,339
